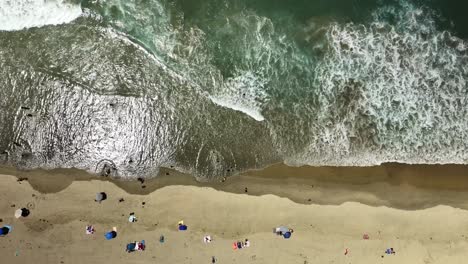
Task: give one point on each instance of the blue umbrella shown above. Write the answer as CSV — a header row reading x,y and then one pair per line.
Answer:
x,y
110,235
5,230
131,247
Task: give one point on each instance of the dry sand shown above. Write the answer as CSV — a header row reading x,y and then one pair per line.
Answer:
x,y
325,224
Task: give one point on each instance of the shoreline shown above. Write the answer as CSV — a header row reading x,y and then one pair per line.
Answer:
x,y
395,185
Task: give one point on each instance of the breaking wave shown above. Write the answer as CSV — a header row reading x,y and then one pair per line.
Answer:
x,y
21,14
390,92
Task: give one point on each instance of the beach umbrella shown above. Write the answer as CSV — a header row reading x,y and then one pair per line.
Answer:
x,y
131,247
287,235
23,212
18,213
5,230
101,196
110,235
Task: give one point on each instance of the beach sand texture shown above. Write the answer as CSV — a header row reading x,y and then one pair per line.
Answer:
x,y
55,230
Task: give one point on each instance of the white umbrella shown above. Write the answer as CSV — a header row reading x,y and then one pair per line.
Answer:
x,y
18,213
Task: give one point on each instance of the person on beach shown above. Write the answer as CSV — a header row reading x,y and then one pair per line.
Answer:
x,y
207,239
182,227
240,244
136,246
90,230
281,230
132,218
389,251
247,243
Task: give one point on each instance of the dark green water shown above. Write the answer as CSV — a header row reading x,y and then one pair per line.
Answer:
x,y
217,87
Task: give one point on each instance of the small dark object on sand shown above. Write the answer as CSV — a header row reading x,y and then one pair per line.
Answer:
x,y
121,200
213,259
167,173
13,205
246,190
141,180
25,212
100,197
143,203
143,186
22,179
1,220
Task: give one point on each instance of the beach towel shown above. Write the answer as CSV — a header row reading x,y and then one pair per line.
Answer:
x,y
182,227
234,245
141,246
89,230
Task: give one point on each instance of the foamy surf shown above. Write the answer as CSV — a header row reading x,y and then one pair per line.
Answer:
x,y
237,106
243,93
21,14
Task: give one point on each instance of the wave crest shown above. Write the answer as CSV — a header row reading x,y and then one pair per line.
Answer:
x,y
21,14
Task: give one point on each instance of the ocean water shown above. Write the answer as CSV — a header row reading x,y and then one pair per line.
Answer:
x,y
215,87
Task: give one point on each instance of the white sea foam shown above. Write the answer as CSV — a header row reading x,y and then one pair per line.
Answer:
x,y
21,14
243,93
390,92
227,102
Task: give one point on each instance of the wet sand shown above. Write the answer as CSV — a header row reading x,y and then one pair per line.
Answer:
x,y
400,186
407,208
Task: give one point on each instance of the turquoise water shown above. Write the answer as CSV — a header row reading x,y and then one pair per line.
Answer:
x,y
218,87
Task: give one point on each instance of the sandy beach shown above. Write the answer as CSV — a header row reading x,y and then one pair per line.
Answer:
x,y
334,218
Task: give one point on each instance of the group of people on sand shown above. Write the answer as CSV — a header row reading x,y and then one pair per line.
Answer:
x,y
286,232
283,231
20,213
136,246
241,244
131,247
